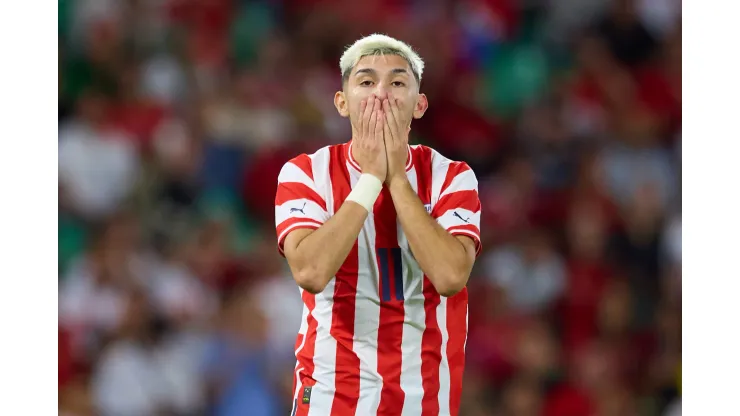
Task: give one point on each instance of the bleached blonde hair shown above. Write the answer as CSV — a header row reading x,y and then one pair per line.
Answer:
x,y
378,44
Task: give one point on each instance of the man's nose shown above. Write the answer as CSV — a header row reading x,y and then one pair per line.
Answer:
x,y
381,91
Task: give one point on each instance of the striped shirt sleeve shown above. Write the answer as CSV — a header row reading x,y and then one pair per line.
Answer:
x,y
298,204
458,208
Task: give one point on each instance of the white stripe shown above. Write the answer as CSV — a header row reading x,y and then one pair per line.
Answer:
x,y
322,394
403,242
367,316
291,173
411,344
444,365
302,208
449,219
301,331
320,167
414,317
439,171
464,181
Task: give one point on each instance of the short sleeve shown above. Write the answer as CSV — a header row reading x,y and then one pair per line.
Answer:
x,y
298,204
458,208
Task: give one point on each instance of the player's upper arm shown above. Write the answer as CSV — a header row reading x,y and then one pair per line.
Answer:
x,y
298,203
458,206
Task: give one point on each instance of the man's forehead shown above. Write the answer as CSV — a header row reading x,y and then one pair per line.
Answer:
x,y
382,63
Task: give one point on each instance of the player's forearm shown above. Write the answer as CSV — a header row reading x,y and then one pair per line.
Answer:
x,y
320,254
440,255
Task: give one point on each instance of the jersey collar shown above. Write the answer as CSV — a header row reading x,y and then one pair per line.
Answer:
x,y
356,166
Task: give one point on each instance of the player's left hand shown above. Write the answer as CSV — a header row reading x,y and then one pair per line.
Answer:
x,y
396,134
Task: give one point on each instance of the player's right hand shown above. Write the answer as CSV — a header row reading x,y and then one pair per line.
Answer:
x,y
369,148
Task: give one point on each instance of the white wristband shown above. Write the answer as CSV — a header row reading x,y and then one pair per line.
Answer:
x,y
366,191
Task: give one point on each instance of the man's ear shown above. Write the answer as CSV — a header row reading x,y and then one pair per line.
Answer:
x,y
340,102
421,106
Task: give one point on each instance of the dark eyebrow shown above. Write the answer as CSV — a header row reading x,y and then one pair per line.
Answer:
x,y
365,71
373,72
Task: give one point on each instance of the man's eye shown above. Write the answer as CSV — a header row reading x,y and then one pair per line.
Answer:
x,y
398,84
366,83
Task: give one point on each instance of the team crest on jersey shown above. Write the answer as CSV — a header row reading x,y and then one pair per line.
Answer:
x,y
428,207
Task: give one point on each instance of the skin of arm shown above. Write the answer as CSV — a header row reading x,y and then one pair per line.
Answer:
x,y
447,260
315,256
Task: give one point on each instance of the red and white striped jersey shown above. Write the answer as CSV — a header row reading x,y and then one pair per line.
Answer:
x,y
379,340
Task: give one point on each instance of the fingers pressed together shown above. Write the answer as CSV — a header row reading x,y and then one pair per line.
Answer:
x,y
382,119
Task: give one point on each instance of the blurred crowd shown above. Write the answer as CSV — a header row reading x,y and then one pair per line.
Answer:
x,y
175,117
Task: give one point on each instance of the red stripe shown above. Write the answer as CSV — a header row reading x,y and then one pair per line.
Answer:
x,y
431,352
392,314
304,163
305,355
460,230
298,342
347,370
454,169
466,227
381,285
461,199
290,191
457,330
392,276
350,158
431,340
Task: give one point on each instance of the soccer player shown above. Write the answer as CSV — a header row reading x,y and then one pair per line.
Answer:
x,y
381,238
